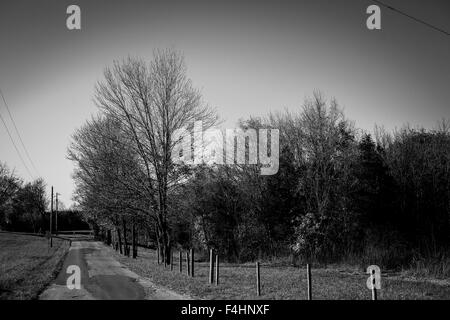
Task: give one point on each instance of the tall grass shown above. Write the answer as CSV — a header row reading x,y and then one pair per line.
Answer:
x,y
436,266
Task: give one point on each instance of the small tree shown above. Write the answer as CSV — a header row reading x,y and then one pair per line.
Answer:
x,y
9,185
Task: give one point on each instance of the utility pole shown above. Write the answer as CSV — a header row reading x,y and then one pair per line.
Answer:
x,y
51,215
56,214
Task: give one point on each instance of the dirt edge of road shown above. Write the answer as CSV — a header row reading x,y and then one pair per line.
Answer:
x,y
55,273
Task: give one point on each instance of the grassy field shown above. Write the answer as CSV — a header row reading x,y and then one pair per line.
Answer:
x,y
238,281
27,264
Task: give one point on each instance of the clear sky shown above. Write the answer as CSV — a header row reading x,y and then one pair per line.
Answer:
x,y
248,58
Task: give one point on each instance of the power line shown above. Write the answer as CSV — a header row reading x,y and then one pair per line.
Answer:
x,y
18,133
413,18
15,147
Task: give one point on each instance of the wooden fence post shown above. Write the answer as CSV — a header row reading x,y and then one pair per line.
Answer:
x,y
211,266
217,269
258,284
165,256
157,250
308,279
187,264
192,263
133,241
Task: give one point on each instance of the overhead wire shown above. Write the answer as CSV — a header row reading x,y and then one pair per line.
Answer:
x,y
412,17
18,133
15,147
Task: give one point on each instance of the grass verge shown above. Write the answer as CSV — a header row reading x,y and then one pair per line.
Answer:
x,y
28,265
238,281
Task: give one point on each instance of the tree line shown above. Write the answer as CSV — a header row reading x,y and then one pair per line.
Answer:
x,y
24,206
340,193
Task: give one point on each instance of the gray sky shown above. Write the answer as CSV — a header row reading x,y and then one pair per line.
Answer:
x,y
248,58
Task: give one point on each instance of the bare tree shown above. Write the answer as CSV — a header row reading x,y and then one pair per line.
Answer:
x,y
152,102
320,136
9,185
107,176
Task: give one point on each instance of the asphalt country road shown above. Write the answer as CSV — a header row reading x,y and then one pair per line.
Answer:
x,y
103,278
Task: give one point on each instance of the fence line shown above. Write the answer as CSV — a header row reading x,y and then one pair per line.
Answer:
x,y
213,274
